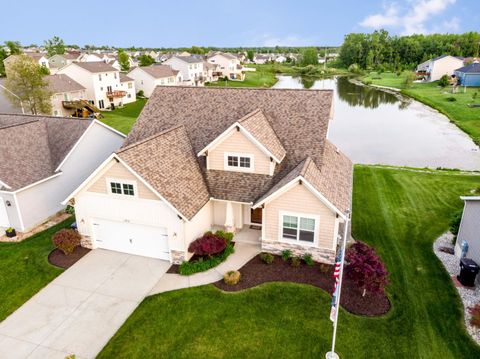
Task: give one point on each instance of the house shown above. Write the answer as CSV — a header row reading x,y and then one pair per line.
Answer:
x,y
65,91
228,64
280,59
38,58
469,229
90,58
127,84
148,77
42,160
190,67
211,72
101,81
469,75
261,59
247,160
58,61
434,69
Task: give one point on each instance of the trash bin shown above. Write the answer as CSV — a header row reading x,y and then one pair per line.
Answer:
x,y
468,272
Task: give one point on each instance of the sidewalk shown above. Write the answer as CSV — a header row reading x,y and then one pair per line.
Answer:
x,y
243,253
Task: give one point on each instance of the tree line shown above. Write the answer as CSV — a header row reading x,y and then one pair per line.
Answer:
x,y
380,50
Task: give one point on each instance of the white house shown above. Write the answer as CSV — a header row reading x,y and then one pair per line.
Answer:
x,y
228,64
43,159
64,90
89,58
101,81
127,84
261,59
38,58
469,229
280,59
435,68
190,67
59,61
148,77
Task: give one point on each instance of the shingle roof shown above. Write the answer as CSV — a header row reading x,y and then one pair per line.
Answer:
x,y
167,162
190,59
298,118
257,125
473,68
159,71
62,83
32,147
224,54
96,66
125,78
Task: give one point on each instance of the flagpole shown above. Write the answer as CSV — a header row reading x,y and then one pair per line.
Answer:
x,y
331,354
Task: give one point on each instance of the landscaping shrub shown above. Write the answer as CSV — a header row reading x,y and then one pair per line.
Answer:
x,y
70,209
354,68
324,268
66,240
286,254
140,93
443,82
207,245
475,313
455,222
296,261
365,268
451,99
228,236
201,265
232,277
307,258
266,258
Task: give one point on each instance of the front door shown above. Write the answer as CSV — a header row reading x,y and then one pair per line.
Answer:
x,y
256,215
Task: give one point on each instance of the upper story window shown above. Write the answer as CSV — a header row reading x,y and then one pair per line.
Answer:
x,y
130,85
125,188
99,77
115,75
239,162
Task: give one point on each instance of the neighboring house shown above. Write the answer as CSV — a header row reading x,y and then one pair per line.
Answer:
x,y
210,72
65,91
59,61
434,69
36,57
261,59
190,67
127,84
469,230
89,58
228,64
102,83
42,160
203,158
148,77
469,75
280,59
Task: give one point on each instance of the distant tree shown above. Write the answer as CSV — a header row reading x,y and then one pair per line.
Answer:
x,y
196,50
3,56
26,80
123,60
14,47
250,55
146,60
55,46
309,56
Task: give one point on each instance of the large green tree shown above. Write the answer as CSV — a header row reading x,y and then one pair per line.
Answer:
x,y
309,56
123,60
26,82
146,60
55,46
14,47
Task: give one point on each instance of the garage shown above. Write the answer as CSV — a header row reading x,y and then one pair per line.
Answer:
x,y
4,222
133,238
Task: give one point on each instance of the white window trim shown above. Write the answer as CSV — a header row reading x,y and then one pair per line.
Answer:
x,y
122,182
303,215
238,169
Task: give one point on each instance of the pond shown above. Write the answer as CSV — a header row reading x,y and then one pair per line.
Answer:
x,y
372,126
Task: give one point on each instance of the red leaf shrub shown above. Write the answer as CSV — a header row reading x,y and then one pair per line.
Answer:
x,y
365,268
207,245
475,313
66,240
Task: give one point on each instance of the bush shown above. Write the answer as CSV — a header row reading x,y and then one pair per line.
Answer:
x,y
307,258
66,240
70,209
201,265
354,68
296,261
475,313
324,268
451,99
443,82
227,236
455,222
266,258
140,93
365,268
232,277
286,254
207,245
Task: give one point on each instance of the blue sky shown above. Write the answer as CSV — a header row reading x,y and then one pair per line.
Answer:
x,y
229,23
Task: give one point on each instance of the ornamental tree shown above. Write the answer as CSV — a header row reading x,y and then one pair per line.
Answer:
x,y
207,245
365,268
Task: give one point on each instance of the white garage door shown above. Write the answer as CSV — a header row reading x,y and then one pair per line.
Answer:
x,y
131,238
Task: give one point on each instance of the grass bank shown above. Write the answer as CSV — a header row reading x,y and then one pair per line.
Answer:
x,y
122,119
398,211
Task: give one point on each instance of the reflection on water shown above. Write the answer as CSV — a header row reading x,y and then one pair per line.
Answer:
x,y
373,126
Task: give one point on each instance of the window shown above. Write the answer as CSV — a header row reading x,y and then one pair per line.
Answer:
x,y
128,189
232,161
101,104
239,162
130,85
123,188
115,75
116,187
298,228
99,77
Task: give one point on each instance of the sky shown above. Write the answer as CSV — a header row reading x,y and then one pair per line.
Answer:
x,y
184,23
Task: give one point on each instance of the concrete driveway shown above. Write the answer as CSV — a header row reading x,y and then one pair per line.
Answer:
x,y
79,311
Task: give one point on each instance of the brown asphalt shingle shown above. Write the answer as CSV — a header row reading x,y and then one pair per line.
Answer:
x,y
59,83
95,66
159,71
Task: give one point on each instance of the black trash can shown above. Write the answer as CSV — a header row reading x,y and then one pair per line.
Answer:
x,y
468,272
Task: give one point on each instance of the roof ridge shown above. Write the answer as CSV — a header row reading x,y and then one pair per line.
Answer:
x,y
149,138
19,124
204,88
250,114
45,116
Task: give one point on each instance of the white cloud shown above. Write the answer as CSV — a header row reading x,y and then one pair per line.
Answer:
x,y
412,18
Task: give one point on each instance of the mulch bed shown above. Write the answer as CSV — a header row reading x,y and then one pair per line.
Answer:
x,y
58,259
256,272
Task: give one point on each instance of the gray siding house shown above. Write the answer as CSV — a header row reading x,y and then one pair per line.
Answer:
x,y
470,228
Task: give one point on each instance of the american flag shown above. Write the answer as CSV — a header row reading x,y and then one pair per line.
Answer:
x,y
336,277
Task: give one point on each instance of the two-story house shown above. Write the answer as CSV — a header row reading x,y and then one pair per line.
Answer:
x,y
36,57
190,67
58,61
229,65
64,91
101,81
252,161
434,69
148,77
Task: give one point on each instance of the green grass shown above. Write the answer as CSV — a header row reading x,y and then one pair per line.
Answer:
x,y
262,77
122,119
466,118
24,268
400,212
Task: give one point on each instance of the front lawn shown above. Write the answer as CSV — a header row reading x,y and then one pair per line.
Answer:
x,y
122,119
398,211
264,76
24,268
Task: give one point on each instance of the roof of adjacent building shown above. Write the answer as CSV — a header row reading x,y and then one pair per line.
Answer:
x,y
159,71
125,78
295,120
35,55
224,54
190,59
473,68
442,56
62,83
32,147
167,162
96,66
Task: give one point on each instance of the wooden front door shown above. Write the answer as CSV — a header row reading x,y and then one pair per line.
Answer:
x,y
256,215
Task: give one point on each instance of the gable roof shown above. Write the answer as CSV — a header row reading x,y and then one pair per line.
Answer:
x,y
62,83
32,147
443,56
95,66
224,54
159,71
167,162
473,68
125,78
190,59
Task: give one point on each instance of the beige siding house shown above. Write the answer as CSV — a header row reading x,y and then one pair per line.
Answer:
x,y
200,158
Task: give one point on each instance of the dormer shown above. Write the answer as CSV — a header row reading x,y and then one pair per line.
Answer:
x,y
249,145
